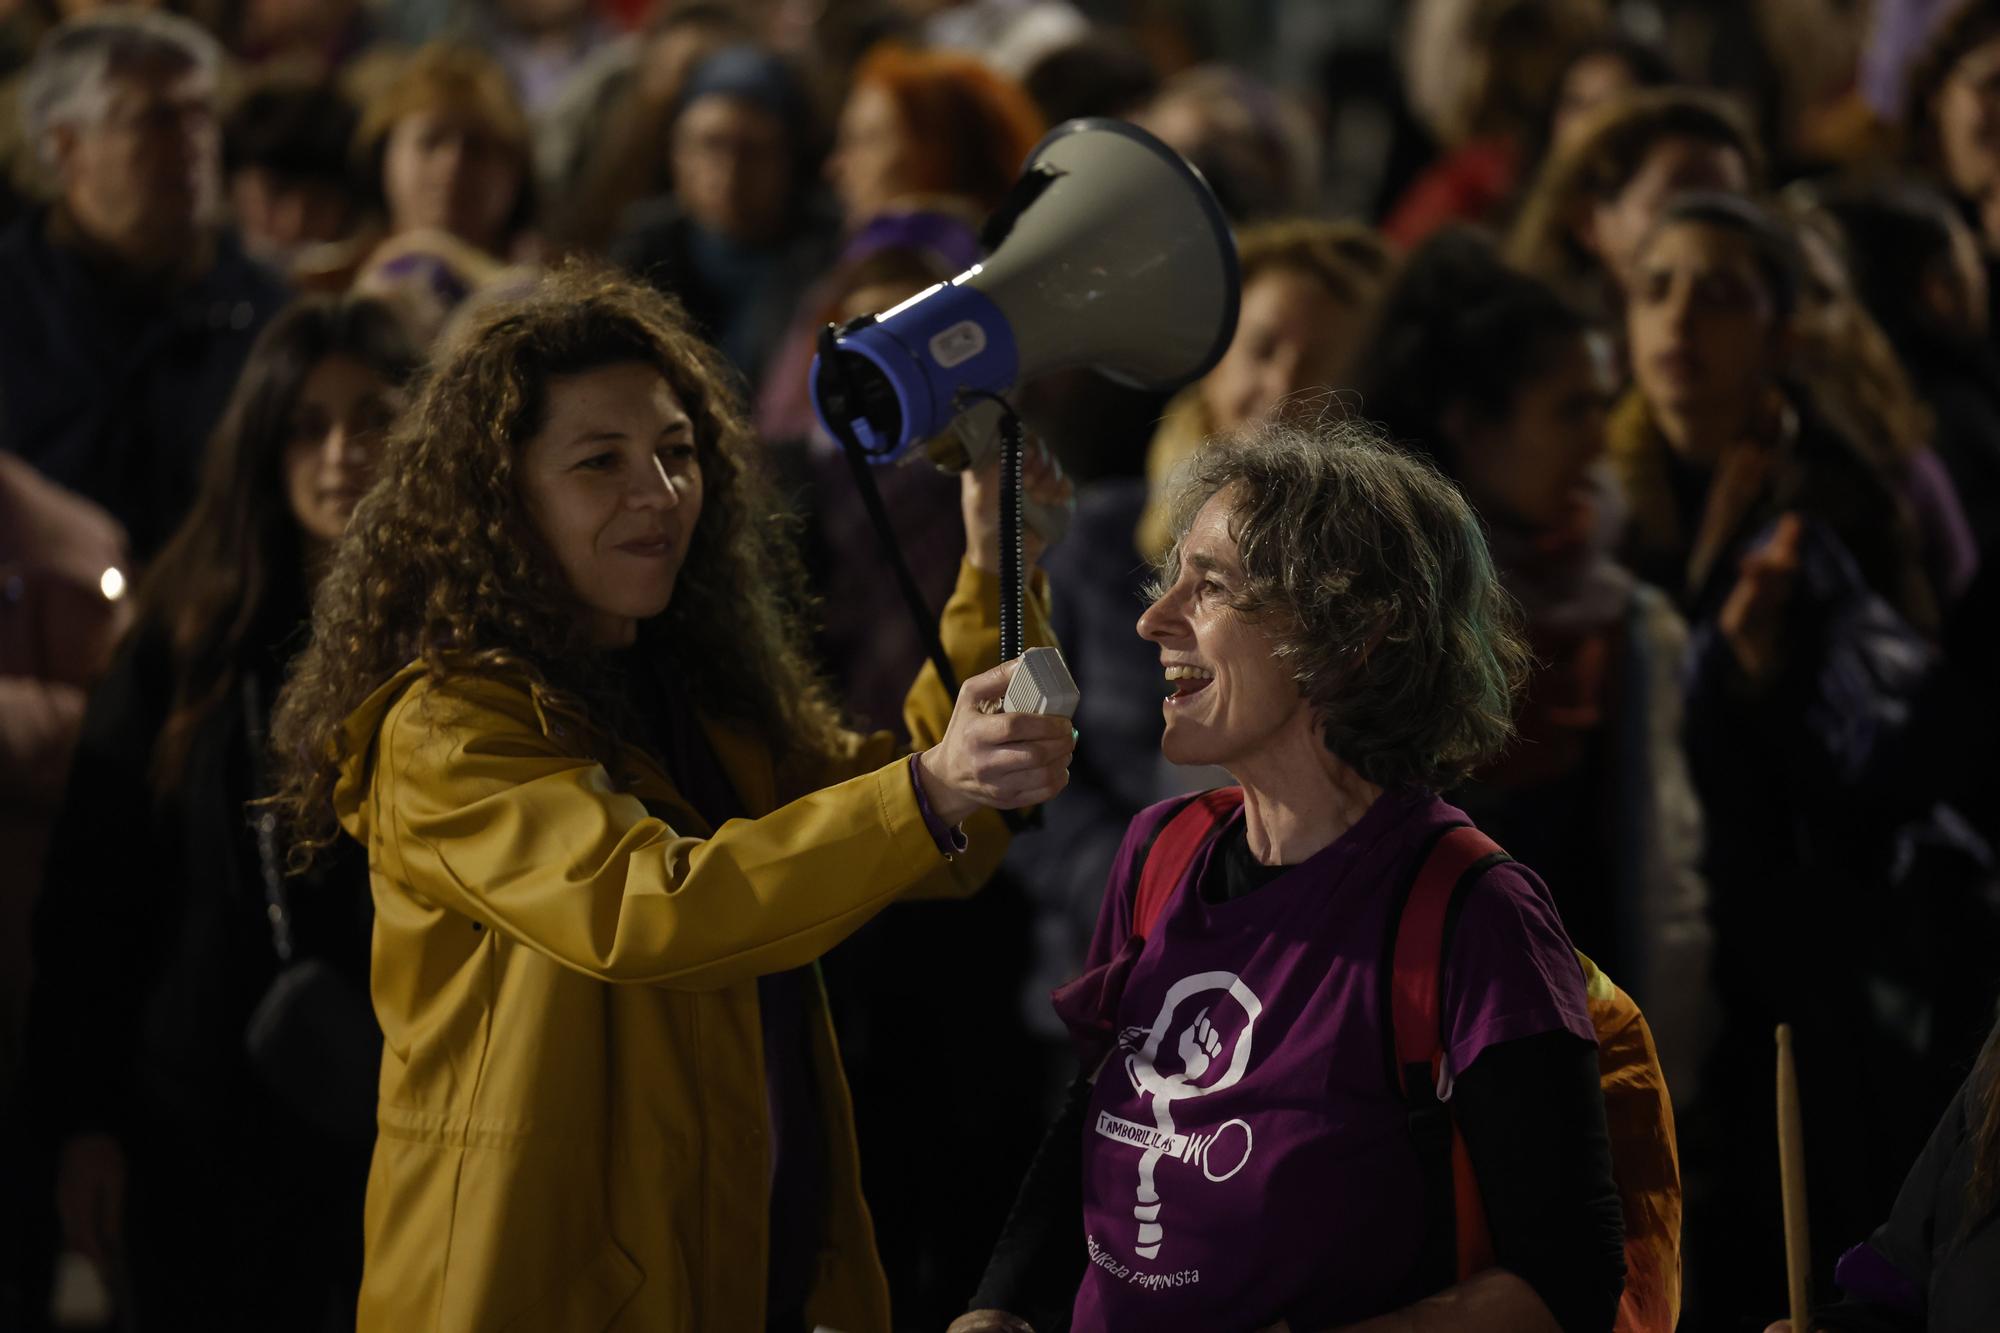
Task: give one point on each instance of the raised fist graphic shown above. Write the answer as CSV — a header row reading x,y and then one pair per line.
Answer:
x,y
1200,1043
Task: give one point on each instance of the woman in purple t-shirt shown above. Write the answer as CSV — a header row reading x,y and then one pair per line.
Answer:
x,y
1334,636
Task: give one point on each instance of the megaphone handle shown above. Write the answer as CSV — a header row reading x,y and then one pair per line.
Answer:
x,y
1013,576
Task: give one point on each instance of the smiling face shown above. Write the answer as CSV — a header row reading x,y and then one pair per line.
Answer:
x,y
1232,699
333,442
612,482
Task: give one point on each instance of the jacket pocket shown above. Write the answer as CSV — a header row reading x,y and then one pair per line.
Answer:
x,y
589,1300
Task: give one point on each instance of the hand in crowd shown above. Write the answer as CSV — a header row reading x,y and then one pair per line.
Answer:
x,y
1753,617
1002,761
1043,483
90,1195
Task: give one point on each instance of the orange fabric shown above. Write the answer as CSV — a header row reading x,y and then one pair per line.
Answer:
x,y
1475,1239
1644,1158
1645,1161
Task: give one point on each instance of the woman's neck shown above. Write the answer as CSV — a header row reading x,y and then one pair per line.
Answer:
x,y
318,556
1701,436
1298,798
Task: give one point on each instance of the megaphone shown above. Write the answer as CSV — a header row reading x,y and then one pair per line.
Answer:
x,y
1113,254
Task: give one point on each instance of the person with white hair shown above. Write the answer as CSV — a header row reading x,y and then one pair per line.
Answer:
x,y
126,310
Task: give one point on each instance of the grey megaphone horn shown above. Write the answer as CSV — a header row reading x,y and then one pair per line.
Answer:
x,y
1114,256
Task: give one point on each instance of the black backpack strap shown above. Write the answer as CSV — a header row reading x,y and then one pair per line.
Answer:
x,y
1413,1074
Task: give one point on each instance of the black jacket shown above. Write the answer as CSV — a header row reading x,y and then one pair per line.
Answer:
x,y
112,391
152,949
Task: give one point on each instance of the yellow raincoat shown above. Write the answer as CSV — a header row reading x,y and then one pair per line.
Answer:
x,y
573,1129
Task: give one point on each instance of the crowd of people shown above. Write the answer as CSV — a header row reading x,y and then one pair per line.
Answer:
x,y
474,852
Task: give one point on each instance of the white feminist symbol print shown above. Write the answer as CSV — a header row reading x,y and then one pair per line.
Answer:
x,y
1199,1045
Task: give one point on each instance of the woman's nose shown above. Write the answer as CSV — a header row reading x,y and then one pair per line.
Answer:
x,y
656,486
1162,620
343,445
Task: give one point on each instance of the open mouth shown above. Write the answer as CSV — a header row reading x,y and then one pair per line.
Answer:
x,y
1184,682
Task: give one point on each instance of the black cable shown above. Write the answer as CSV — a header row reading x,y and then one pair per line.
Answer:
x,y
1013,556
1013,547
831,363
838,421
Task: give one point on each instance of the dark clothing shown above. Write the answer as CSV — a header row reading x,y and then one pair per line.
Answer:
x,y
152,949
866,636
1960,379
741,298
1530,1109
1934,1265
112,390
1849,901
798,1150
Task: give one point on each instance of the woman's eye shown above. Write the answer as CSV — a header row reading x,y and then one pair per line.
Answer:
x,y
680,453
599,462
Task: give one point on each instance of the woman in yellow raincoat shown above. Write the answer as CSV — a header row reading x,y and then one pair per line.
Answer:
x,y
556,687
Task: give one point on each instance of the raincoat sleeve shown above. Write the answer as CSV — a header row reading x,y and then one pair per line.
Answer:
x,y
485,813
970,628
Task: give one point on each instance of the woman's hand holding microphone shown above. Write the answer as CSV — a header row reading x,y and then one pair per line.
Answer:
x,y
994,760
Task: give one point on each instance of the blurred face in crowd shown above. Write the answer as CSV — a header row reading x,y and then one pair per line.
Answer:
x,y
1532,465
1674,166
445,171
1594,81
612,482
139,176
732,164
1830,313
870,165
333,443
1967,110
1293,335
1229,697
1704,329
278,216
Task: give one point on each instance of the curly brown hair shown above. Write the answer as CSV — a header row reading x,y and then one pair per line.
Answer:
x,y
441,563
1371,575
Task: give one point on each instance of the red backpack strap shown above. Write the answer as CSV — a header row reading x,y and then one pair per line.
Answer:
x,y
1176,844
1455,1242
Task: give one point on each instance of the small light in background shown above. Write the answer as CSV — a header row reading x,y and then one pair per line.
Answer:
x,y
113,584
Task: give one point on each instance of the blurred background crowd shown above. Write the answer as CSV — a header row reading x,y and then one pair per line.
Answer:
x,y
1692,298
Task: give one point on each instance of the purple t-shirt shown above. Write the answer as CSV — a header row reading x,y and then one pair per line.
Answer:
x,y
1245,1157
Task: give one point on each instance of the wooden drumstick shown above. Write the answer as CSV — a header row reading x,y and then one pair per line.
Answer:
x,y
1792,1174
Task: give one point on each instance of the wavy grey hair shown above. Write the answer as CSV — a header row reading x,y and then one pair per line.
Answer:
x,y
65,85
1371,575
